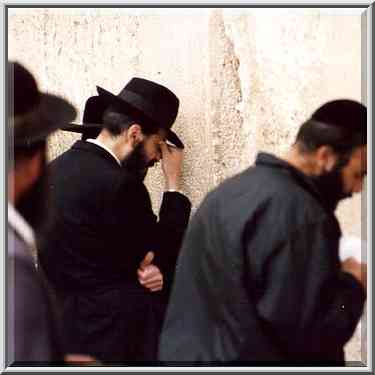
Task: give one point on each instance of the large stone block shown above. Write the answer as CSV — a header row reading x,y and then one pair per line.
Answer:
x,y
246,79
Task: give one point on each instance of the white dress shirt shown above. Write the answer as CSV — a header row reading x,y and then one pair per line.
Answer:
x,y
103,146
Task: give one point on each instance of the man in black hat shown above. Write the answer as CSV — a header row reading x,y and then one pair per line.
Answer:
x,y
104,227
260,265
31,330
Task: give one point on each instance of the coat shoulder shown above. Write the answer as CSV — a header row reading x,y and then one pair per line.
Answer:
x,y
263,194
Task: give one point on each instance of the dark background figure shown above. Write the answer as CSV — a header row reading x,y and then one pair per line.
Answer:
x,y
259,280
104,226
32,329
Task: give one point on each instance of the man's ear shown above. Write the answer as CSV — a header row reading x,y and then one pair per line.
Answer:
x,y
326,159
135,135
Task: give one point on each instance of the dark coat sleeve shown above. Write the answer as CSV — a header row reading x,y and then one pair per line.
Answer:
x,y
173,220
145,232
306,302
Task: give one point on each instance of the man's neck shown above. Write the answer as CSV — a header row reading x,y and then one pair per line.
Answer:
x,y
300,161
18,184
112,143
116,145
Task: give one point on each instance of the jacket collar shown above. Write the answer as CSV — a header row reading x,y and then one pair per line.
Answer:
x,y
103,146
24,232
96,149
306,182
20,226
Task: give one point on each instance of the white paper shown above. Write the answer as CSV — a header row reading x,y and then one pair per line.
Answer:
x,y
351,246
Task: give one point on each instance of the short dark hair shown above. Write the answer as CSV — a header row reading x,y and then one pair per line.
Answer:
x,y
340,124
115,121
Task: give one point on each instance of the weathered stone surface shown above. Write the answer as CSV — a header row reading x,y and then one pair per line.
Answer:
x,y
246,79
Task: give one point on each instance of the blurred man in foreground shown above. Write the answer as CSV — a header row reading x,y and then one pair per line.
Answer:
x,y
32,329
259,280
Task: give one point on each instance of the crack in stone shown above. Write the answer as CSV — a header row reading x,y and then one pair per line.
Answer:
x,y
226,95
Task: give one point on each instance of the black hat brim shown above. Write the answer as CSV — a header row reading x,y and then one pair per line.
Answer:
x,y
87,130
76,128
93,130
173,138
136,113
52,112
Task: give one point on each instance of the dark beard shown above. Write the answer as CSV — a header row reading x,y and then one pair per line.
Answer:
x,y
136,162
33,205
331,187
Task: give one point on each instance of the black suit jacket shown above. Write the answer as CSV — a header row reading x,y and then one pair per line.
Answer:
x,y
102,227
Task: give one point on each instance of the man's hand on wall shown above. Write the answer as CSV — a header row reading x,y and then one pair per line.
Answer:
x,y
149,275
171,164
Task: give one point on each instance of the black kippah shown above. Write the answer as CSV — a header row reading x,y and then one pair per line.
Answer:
x,y
346,114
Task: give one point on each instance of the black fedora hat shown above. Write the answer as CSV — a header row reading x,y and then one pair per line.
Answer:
x,y
33,114
144,101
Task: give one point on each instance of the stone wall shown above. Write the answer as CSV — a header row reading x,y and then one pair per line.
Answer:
x,y
246,78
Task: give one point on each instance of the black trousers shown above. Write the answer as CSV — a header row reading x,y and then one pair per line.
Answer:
x,y
116,325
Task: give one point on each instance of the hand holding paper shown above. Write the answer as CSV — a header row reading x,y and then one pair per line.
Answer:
x,y
351,251
354,247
